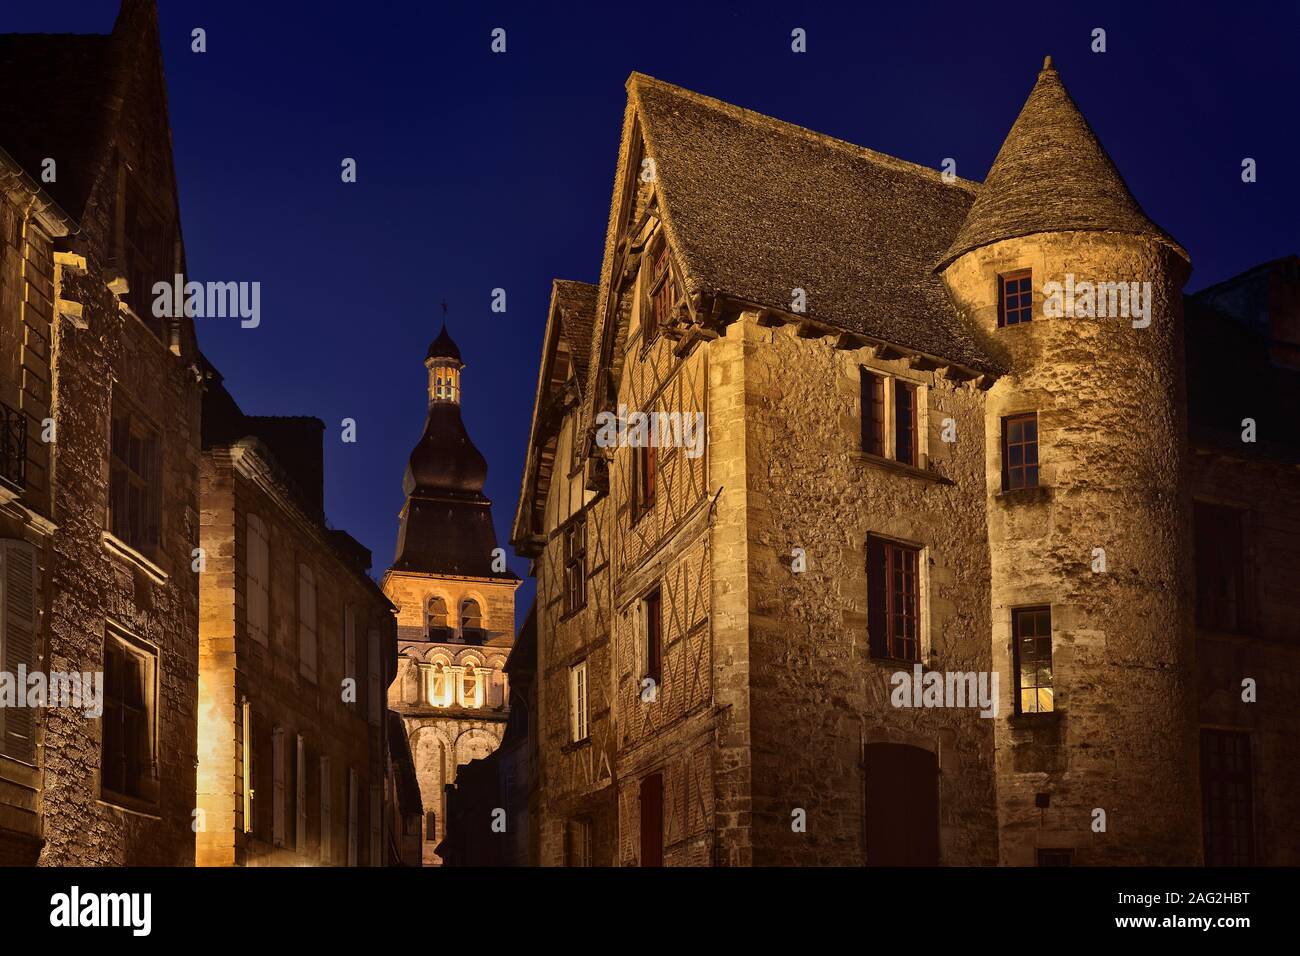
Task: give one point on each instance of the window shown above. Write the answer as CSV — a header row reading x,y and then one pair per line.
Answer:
x,y
300,792
578,702
575,563
1055,856
1015,298
1020,451
1226,798
352,817
326,811
904,422
652,820
19,627
307,622
1221,593
374,687
643,480
135,469
278,757
436,627
873,413
263,764
257,580
469,686
893,600
471,621
661,293
1031,634
441,696
431,827
127,765
651,636
579,843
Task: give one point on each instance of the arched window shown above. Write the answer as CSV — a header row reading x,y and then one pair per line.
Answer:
x,y
438,697
469,686
436,627
471,621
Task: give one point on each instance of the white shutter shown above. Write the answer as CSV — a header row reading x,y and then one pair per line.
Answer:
x,y
373,690
306,623
19,618
326,813
246,716
350,647
376,827
257,568
582,701
300,780
277,778
352,817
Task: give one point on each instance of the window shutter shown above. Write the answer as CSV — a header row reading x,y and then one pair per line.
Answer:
x,y
640,625
350,646
246,716
326,813
573,703
376,827
582,701
352,817
307,623
300,798
876,585
21,614
277,786
373,688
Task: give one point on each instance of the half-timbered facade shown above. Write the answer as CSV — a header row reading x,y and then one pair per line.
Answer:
x,y
908,471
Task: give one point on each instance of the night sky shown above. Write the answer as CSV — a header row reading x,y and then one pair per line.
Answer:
x,y
479,170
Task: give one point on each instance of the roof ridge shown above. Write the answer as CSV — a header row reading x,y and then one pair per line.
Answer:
x,y
780,125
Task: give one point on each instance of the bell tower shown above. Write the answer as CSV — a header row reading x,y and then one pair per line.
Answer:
x,y
1065,279
455,598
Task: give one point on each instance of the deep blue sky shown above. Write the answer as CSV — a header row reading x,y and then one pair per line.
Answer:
x,y
479,171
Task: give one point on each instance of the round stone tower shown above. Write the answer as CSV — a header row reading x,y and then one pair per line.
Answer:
x,y
1078,295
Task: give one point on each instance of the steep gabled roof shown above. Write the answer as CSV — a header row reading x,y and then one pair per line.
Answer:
x,y
1052,175
756,208
566,347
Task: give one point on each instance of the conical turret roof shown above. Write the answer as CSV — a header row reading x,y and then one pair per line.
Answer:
x,y
1051,175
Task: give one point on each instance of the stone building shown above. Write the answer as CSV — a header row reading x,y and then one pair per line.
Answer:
x,y
833,424
100,454
297,647
455,600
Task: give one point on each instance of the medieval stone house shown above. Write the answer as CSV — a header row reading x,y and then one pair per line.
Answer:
x,y
455,600
100,454
297,647
915,468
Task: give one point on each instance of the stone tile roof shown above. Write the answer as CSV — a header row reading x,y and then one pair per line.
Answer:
x,y
1051,175
757,207
55,92
576,302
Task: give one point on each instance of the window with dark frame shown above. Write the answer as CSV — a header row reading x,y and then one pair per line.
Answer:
x,y
873,413
471,621
652,820
126,766
580,842
135,469
653,610
1015,298
1220,548
893,600
575,563
904,422
661,293
430,827
1031,636
644,480
1227,800
1020,451
436,626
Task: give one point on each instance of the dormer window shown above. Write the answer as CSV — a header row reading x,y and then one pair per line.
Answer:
x,y
1015,298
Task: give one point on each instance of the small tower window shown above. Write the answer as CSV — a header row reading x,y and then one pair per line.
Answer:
x,y
435,620
1015,298
471,621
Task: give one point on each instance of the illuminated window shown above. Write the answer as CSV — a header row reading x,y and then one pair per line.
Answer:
x,y
1015,298
1031,633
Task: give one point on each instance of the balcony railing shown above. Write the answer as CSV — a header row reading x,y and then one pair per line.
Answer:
x,y
13,446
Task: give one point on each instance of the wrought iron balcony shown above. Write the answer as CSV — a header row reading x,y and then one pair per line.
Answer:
x,y
13,446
